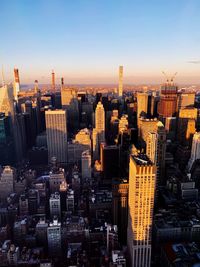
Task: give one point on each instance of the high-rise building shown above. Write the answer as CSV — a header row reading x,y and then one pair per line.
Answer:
x,y
170,126
154,99
7,177
7,100
167,106
62,82
186,125
69,102
54,238
16,84
6,141
145,126
195,153
78,145
123,124
33,201
56,129
95,146
120,87
7,107
86,164
54,205
41,232
120,206
100,123
156,149
142,182
70,200
56,178
185,100
23,205
142,104
83,138
53,83
67,96
110,164
13,255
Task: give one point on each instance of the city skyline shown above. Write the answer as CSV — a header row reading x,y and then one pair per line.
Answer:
x,y
88,41
99,133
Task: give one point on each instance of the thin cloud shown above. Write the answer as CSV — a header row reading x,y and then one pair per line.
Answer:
x,y
194,61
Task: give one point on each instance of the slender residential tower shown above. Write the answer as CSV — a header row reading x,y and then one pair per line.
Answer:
x,y
53,83
16,83
62,82
36,87
120,88
142,182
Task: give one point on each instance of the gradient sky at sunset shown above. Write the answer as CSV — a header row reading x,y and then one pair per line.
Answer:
x,y
86,40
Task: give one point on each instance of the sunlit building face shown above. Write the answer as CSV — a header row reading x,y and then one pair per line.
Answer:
x,y
142,182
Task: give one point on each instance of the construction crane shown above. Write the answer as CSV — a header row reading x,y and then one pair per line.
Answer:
x,y
165,76
171,79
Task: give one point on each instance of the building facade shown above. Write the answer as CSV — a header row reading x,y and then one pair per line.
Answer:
x,y
56,129
142,182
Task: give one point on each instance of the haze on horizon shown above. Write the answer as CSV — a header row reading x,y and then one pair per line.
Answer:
x,y
86,41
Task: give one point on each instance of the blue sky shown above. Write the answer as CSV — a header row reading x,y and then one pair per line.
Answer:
x,y
86,40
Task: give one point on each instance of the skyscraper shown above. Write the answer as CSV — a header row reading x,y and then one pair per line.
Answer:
x,y
6,141
95,146
56,129
142,182
142,104
7,177
151,146
86,164
54,238
69,102
120,88
120,205
7,100
195,153
55,205
168,100
110,161
186,125
145,126
123,124
16,83
156,149
7,107
185,100
53,83
100,123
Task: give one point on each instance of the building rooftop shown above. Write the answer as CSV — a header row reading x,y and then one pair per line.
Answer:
x,y
183,253
182,216
142,159
120,181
